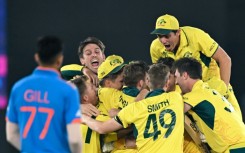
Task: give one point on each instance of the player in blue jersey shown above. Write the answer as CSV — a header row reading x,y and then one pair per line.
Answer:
x,y
43,112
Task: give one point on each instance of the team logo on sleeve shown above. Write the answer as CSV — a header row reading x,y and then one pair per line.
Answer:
x,y
212,46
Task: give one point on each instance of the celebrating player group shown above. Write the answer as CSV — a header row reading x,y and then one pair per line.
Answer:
x,y
182,102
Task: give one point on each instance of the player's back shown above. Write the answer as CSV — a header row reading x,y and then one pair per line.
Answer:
x,y
215,117
158,122
43,104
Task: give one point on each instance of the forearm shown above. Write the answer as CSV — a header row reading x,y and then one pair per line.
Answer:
x,y
101,127
225,71
96,126
13,134
224,61
75,138
15,141
76,147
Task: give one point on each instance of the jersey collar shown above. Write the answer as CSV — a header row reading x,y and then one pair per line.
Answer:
x,y
183,40
47,71
154,93
131,91
197,84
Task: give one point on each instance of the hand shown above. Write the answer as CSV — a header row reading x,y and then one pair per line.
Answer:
x,y
91,76
113,112
130,143
89,110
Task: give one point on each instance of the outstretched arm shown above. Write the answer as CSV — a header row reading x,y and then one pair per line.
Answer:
x,y
224,61
101,127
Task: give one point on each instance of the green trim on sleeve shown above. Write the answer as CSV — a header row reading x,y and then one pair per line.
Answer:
x,y
206,111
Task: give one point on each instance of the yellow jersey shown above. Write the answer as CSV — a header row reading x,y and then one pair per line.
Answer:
x,y
92,140
112,98
215,117
197,44
158,122
194,43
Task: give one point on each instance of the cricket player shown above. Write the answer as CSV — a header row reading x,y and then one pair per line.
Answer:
x,y
177,42
114,98
43,113
91,140
215,116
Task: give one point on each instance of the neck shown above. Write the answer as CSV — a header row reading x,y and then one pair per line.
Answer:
x,y
191,84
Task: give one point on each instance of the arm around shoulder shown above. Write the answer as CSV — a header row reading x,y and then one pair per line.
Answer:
x,y
101,127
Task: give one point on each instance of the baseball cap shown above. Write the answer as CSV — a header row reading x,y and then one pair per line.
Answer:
x,y
71,70
111,65
165,24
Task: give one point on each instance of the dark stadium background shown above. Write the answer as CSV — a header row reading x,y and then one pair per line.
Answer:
x,y
123,25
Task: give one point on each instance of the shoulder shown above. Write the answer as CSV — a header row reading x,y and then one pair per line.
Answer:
x,y
191,30
173,94
108,90
22,82
156,43
65,87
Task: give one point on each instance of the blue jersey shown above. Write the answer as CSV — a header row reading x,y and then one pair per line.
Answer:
x,y
42,104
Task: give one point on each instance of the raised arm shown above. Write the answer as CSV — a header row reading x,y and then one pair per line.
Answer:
x,y
224,61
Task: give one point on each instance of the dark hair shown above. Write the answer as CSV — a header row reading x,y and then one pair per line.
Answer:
x,y
134,72
48,49
111,77
189,65
158,74
169,61
80,83
90,40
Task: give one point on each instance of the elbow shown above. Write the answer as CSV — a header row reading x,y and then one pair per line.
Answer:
x,y
10,138
228,60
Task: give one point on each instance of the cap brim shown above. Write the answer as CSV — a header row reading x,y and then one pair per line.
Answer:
x,y
161,31
69,74
118,68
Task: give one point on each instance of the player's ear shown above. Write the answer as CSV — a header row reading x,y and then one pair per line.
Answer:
x,y
140,84
59,60
107,83
166,86
36,57
85,99
185,75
